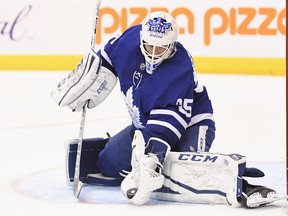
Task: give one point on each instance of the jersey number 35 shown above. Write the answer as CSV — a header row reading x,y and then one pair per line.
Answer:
x,y
185,106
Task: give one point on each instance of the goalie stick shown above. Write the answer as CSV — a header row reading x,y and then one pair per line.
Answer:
x,y
77,184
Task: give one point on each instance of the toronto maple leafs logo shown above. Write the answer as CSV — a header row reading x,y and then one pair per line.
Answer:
x,y
158,25
137,78
132,109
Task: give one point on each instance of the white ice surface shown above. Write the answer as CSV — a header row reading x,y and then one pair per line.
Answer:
x,y
250,114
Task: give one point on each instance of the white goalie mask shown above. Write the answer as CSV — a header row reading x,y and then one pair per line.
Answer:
x,y
158,38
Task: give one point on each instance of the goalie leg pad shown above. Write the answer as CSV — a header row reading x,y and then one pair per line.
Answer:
x,y
89,156
202,178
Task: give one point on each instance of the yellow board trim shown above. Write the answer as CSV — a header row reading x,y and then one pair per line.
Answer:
x,y
217,65
39,62
249,66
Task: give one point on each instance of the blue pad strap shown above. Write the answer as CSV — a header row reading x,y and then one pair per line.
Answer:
x,y
253,172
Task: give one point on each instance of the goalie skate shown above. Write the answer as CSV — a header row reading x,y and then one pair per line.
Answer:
x,y
259,196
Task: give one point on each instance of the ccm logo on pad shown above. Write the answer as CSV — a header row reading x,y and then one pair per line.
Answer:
x,y
195,157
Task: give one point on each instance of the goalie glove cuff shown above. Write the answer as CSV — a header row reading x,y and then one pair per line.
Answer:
x,y
158,147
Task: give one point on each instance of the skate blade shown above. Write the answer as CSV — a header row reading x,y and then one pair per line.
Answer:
x,y
256,200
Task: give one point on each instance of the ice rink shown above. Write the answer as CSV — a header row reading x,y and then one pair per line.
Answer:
x,y
250,117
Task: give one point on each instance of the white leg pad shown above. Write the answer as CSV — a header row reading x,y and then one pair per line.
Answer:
x,y
201,178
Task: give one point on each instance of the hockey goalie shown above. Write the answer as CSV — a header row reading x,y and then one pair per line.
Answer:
x,y
164,153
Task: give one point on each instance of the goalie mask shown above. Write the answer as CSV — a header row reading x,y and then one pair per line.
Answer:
x,y
158,38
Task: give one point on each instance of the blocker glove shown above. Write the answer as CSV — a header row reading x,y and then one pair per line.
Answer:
x,y
88,83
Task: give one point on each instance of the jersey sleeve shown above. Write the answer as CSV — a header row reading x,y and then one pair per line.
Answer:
x,y
112,52
105,53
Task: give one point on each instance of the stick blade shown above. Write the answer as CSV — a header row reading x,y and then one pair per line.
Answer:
x,y
77,186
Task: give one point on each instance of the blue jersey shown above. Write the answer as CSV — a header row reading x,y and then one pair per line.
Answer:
x,y
162,104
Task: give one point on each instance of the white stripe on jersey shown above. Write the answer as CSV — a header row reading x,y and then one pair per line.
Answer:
x,y
199,88
172,113
200,117
106,57
165,124
124,173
